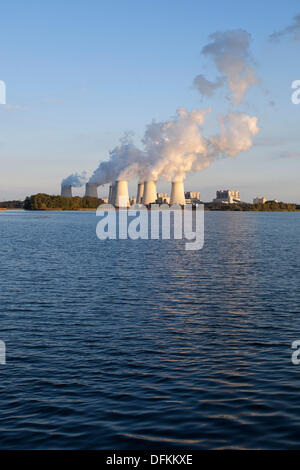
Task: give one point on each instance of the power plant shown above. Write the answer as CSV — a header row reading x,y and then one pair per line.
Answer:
x,y
118,195
91,190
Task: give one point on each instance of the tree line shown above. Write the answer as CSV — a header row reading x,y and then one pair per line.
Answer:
x,y
46,202
12,205
269,206
43,201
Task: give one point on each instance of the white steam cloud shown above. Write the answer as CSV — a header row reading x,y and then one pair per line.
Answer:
x,y
124,162
236,133
173,148
231,55
206,87
76,180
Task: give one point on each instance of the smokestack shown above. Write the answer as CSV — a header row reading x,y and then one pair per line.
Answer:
x,y
110,191
177,193
66,191
120,194
140,192
149,196
91,190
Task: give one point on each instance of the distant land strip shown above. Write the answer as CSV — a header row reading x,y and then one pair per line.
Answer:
x,y
46,202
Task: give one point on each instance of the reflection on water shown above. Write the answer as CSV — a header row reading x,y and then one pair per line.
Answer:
x,y
141,344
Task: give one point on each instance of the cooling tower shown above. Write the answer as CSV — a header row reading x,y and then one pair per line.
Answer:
x,y
120,194
66,191
91,190
177,193
140,192
149,196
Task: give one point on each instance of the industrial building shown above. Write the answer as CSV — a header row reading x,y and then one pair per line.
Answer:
x,y
227,196
163,198
259,200
192,197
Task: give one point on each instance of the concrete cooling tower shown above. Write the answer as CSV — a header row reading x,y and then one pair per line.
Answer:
x,y
177,193
150,195
140,192
120,194
66,191
91,190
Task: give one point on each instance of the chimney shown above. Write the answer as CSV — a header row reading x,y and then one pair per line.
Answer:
x,y
149,196
91,190
120,194
177,193
140,192
110,194
66,191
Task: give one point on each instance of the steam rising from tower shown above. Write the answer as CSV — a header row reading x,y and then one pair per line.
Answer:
x,y
75,180
171,149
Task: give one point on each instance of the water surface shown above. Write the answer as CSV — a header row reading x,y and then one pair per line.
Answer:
x,y
143,345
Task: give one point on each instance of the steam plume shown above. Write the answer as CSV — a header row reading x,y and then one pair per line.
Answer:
x,y
206,87
124,163
237,131
293,29
175,147
230,53
76,180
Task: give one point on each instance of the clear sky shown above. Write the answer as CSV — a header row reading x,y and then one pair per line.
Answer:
x,y
81,73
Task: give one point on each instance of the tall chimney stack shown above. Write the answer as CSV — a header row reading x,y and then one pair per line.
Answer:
x,y
66,191
121,195
110,195
150,195
177,193
140,193
91,190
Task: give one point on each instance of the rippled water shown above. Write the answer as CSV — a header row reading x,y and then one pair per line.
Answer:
x,y
143,345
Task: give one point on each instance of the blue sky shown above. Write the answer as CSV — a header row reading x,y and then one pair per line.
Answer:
x,y
80,74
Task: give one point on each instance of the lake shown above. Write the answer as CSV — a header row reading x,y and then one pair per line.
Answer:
x,y
123,344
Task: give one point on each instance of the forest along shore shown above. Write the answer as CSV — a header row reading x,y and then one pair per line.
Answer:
x,y
46,202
